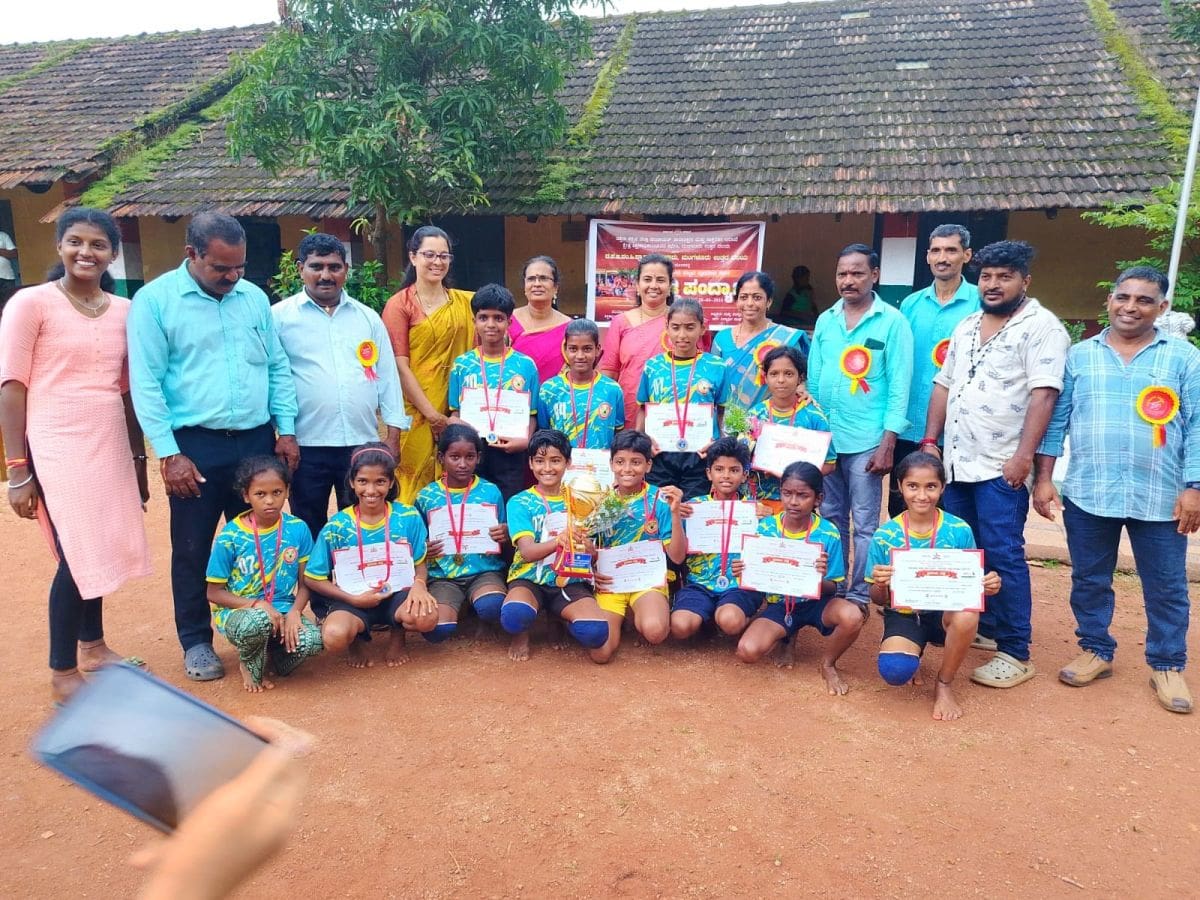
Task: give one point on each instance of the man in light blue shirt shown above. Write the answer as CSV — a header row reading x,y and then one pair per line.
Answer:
x,y
330,340
932,314
209,379
1131,406
860,372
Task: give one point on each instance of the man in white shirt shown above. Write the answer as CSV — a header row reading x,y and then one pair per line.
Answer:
x,y
8,273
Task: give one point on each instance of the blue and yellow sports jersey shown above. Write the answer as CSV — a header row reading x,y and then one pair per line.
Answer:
x,y
646,504
705,568
809,416
234,561
520,374
821,531
606,418
433,496
952,533
710,386
403,524
527,513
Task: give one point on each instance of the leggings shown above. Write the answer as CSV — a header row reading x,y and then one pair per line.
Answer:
x,y
249,630
72,619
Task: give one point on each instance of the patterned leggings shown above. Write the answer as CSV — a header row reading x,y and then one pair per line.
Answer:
x,y
249,630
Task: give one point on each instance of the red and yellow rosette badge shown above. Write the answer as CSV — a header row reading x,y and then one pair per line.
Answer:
x,y
760,353
856,365
939,352
1158,405
368,356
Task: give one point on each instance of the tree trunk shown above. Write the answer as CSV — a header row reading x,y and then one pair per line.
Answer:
x,y
379,242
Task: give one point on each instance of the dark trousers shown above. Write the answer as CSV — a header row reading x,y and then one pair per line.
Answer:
x,y
685,471
72,618
194,520
321,470
895,498
507,471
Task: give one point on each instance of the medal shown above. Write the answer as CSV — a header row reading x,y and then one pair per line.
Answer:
x,y
384,589
491,437
726,536
487,405
456,534
788,605
681,444
387,547
268,585
722,583
459,559
681,418
651,527
787,620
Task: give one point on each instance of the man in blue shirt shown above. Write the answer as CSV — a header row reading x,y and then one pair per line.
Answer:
x,y
208,379
344,371
860,372
1131,406
932,314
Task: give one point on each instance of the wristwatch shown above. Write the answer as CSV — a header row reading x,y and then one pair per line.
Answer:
x,y
1193,485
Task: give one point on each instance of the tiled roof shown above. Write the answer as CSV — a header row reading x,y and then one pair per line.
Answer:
x,y
1177,64
64,120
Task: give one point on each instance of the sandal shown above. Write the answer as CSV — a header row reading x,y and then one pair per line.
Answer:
x,y
1171,690
1003,671
201,663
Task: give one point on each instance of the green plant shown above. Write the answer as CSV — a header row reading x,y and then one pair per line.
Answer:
x,y
1075,330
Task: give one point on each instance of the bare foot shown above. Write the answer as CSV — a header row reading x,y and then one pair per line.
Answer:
x,y
397,649
784,654
558,635
518,650
356,655
918,679
64,683
483,632
94,654
251,685
833,679
945,705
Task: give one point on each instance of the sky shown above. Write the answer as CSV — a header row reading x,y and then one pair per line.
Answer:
x,y
86,18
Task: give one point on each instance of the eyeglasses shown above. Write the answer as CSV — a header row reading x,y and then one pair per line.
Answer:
x,y
755,297
539,279
430,256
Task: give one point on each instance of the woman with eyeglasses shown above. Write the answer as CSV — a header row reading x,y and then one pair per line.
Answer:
x,y
430,324
537,329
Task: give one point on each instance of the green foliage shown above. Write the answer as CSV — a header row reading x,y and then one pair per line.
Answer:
x,y
1185,19
1075,330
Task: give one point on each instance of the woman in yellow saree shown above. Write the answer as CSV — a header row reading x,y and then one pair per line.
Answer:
x,y
429,324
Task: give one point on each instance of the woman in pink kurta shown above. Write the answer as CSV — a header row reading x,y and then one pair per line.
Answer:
x,y
75,453
538,329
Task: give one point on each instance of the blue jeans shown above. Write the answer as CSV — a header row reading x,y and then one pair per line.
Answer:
x,y
1160,554
997,513
321,470
853,495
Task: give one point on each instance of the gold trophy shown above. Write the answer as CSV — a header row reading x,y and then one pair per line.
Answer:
x,y
584,497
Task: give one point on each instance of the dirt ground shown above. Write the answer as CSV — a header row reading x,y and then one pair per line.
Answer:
x,y
673,772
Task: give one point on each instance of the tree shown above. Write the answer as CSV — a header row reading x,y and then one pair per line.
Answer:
x,y
411,103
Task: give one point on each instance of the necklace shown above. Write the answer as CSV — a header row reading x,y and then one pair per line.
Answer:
x,y
427,307
740,337
979,350
83,307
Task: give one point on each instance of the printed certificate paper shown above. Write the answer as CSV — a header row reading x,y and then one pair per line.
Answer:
x,y
778,446
781,566
662,424
477,519
596,463
353,579
708,521
944,580
510,414
640,566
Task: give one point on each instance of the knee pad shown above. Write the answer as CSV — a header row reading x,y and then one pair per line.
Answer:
x,y
442,631
591,633
517,617
487,606
898,668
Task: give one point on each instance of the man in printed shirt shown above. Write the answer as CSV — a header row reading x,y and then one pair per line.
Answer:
x,y
1131,406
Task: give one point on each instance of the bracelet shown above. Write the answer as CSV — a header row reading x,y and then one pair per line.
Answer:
x,y
925,442
17,462
141,457
20,484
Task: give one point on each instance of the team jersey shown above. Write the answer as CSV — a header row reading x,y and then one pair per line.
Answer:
x,y
705,568
710,386
601,420
234,561
403,524
809,416
433,497
520,374
950,533
527,512
640,508
821,531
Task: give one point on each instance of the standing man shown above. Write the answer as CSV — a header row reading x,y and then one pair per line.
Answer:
x,y
1131,406
344,371
993,398
859,371
208,378
932,314
8,272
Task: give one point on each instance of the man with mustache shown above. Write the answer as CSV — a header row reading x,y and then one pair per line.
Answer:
x,y
340,381
993,398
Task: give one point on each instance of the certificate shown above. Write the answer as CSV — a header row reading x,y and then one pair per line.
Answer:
x,y
596,463
360,576
636,567
778,446
662,424
706,525
781,566
477,519
510,414
936,579
553,525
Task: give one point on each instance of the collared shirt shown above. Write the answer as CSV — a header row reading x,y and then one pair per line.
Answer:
x,y
196,360
337,399
991,384
1115,469
860,410
931,323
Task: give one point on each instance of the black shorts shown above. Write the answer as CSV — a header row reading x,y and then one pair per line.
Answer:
x,y
919,627
454,592
551,597
381,616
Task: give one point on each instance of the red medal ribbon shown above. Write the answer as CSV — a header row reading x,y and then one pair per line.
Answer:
x,y
681,418
268,586
726,533
587,413
487,406
387,543
937,521
462,516
789,603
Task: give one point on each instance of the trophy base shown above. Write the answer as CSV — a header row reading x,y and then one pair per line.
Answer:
x,y
568,564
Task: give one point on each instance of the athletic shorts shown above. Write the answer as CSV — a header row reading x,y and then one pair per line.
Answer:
x,y
381,616
696,598
551,597
919,627
620,603
804,613
453,592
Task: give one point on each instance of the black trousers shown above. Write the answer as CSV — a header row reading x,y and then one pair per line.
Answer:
x,y
321,470
72,618
507,471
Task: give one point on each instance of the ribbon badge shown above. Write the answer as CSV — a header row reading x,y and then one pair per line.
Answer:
x,y
760,354
856,365
940,351
1158,405
368,356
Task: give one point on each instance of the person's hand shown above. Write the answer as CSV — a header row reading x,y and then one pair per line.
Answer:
x,y
437,424
433,548
1046,500
1187,511
393,442
420,602
259,806
703,451
23,499
273,614
802,394
991,584
881,460
762,510
673,496
821,564
290,632
882,576
1016,470
512,445
737,567
686,510
180,476
367,599
654,448
143,481
288,451
499,533
603,582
